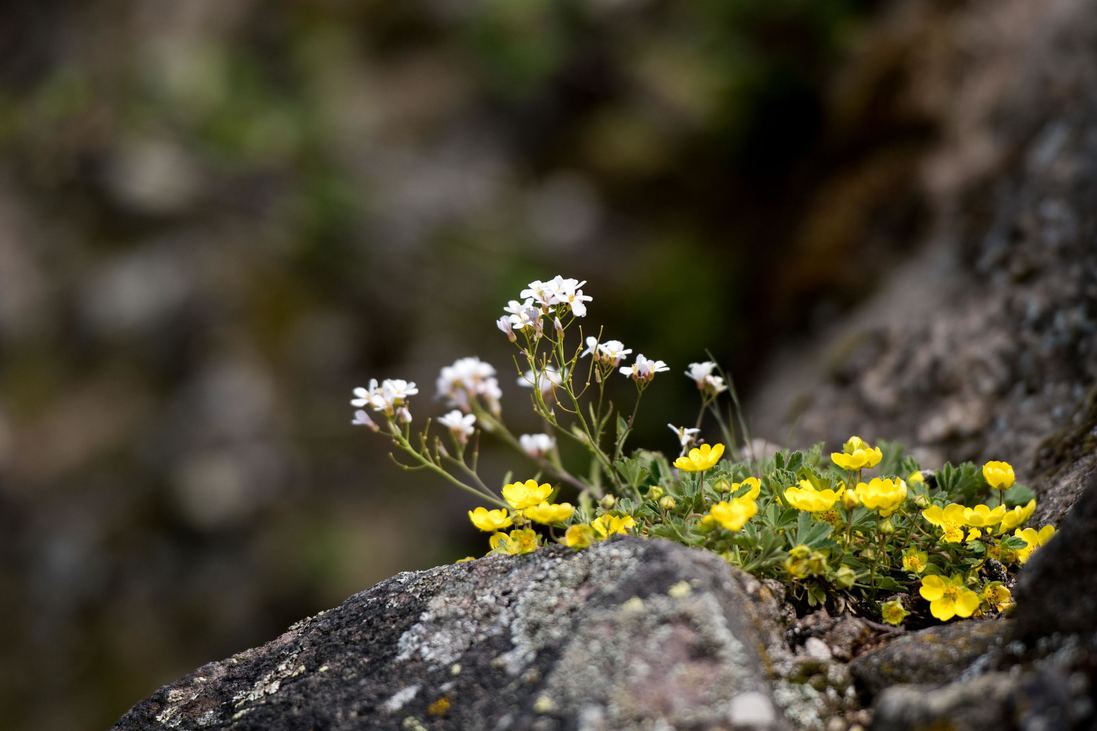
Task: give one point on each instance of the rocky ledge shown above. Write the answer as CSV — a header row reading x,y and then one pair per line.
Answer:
x,y
647,634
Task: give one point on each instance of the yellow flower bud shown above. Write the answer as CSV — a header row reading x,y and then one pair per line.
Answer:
x,y
845,577
608,502
998,474
667,502
656,492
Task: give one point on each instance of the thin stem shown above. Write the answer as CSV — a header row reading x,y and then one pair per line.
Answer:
x,y
621,438
505,435
401,440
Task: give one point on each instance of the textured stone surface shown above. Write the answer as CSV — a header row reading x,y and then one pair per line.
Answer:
x,y
934,655
628,634
1057,590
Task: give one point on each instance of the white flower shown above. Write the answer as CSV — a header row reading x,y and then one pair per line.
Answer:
x,y
505,326
467,379
536,445
685,436
610,353
369,396
548,379
397,390
361,418
701,373
715,385
389,396
567,292
538,291
524,314
644,370
461,426
557,291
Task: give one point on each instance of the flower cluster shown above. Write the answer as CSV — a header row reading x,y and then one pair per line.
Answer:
x,y
557,298
390,398
468,382
866,526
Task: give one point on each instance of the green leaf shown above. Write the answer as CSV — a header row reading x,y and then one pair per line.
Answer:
x,y
634,469
810,532
1018,495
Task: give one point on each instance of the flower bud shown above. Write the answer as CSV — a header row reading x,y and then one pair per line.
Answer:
x,y
667,502
921,501
887,527
845,577
655,492
608,502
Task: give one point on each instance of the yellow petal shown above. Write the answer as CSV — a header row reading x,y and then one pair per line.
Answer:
x,y
966,603
933,588
943,609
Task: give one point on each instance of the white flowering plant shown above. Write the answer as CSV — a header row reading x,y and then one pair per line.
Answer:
x,y
826,527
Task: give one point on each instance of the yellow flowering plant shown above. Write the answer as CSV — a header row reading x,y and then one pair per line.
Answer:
x,y
865,528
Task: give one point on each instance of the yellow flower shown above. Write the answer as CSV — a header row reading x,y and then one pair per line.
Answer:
x,y
547,513
807,498
949,519
700,458
522,495
803,562
849,497
997,596
981,516
1033,539
856,454
884,495
609,524
948,598
915,561
579,536
490,520
916,478
893,612
998,474
520,540
734,515
1017,516
754,485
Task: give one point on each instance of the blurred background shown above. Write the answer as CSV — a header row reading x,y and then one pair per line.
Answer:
x,y
216,218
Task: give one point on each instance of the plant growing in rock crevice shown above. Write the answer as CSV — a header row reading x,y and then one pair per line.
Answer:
x,y
866,526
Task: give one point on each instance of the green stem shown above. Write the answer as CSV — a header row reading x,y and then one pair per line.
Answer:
x,y
400,439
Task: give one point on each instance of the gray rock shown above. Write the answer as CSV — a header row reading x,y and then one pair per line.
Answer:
x,y
627,634
934,655
1042,698
1057,589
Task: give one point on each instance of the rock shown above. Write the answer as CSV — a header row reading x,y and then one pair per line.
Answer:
x,y
1057,589
1044,697
934,655
627,634
978,704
